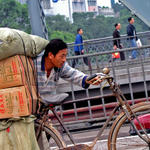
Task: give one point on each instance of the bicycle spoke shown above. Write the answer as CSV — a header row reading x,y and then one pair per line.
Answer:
x,y
49,139
131,143
123,135
48,142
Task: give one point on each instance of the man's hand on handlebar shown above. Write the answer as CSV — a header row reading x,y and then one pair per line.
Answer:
x,y
98,77
94,79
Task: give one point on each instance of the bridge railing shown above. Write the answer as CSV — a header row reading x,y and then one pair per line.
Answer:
x,y
124,72
106,44
94,104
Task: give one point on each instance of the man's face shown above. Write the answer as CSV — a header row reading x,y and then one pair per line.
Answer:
x,y
59,59
81,31
132,21
119,26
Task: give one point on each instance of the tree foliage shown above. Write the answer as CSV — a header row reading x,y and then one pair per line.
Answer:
x,y
60,27
94,26
66,36
14,15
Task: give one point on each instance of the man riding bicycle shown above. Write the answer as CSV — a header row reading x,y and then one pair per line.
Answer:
x,y
51,66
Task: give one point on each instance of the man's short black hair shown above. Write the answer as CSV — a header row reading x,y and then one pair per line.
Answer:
x,y
116,25
129,19
78,30
54,46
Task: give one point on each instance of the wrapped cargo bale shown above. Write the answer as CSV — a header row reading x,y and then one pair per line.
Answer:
x,y
16,102
14,42
18,134
16,71
19,71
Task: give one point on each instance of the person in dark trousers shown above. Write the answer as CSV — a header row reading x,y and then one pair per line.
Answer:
x,y
78,48
116,41
131,32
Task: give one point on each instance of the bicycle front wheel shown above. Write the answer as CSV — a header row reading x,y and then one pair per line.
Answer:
x,y
119,137
48,137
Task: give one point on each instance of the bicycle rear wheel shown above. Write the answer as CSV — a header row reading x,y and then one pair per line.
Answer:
x,y
119,137
49,138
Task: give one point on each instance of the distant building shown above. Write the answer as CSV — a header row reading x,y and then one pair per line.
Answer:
x,y
68,7
79,6
62,7
92,6
107,12
46,4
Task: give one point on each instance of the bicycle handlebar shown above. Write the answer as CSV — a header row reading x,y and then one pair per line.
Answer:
x,y
104,75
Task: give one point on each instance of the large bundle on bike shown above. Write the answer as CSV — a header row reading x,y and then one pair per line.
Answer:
x,y
17,89
14,42
18,93
17,74
18,134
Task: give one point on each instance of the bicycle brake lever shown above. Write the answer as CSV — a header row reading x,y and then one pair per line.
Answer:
x,y
102,75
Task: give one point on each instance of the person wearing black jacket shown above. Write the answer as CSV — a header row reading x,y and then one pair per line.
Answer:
x,y
131,32
116,41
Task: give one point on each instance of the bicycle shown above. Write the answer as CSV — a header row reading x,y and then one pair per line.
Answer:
x,y
126,114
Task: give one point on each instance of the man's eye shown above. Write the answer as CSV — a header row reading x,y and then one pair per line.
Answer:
x,y
63,56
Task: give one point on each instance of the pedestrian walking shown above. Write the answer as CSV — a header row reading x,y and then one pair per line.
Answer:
x,y
131,32
117,42
78,48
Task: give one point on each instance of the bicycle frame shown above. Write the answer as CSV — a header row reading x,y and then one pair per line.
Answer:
x,y
126,109
122,104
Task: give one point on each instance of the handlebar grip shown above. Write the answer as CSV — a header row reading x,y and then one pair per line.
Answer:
x,y
91,77
106,70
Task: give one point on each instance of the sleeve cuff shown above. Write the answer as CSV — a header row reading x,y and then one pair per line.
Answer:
x,y
84,84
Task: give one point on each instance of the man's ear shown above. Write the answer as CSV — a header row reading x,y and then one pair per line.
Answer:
x,y
50,55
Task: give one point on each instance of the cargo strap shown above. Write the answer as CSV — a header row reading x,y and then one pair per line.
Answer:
x,y
27,73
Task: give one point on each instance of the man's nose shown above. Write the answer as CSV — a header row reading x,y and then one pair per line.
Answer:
x,y
64,59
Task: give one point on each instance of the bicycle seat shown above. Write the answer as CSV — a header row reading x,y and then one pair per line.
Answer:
x,y
54,99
